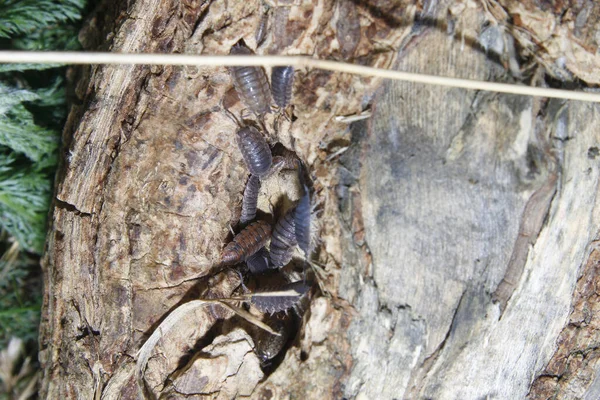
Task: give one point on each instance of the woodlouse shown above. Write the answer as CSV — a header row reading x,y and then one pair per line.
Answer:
x,y
302,222
255,151
251,84
283,240
268,346
258,263
286,161
250,199
281,299
261,31
281,162
246,243
282,81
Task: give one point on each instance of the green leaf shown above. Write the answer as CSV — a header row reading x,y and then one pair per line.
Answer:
x,y
61,36
26,67
11,96
24,16
19,132
20,294
24,200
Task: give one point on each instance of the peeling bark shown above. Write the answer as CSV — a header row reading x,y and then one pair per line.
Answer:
x,y
457,229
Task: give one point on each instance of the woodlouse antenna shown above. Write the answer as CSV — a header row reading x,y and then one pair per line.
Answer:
x,y
239,274
231,115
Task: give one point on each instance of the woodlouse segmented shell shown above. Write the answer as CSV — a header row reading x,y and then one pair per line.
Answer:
x,y
280,299
282,82
302,222
251,84
268,346
283,239
258,263
255,151
250,199
246,243
261,30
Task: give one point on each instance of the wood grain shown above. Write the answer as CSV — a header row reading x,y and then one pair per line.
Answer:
x,y
453,225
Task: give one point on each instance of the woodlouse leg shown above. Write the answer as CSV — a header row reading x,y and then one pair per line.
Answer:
x,y
272,138
320,276
277,123
244,287
271,208
286,113
278,165
230,114
246,114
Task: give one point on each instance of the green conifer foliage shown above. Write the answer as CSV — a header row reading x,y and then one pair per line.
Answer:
x,y
32,111
28,141
24,17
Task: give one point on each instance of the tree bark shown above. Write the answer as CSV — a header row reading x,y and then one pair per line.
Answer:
x,y
457,229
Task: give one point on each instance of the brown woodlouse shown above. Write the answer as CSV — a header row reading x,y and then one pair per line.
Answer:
x,y
255,151
250,240
268,346
286,161
283,239
282,81
251,84
250,199
281,299
302,222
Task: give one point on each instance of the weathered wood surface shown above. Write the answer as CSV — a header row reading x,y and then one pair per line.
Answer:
x,y
457,230
458,190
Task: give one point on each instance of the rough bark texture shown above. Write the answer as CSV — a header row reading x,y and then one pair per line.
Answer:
x,y
458,229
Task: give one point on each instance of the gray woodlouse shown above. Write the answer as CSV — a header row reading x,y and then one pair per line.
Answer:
x,y
283,240
281,299
250,199
255,151
302,222
258,263
251,84
282,162
261,31
282,81
250,240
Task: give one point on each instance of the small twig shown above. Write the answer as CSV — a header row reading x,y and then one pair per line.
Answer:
x,y
348,119
53,57
337,153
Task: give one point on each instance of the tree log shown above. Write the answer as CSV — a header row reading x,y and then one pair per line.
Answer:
x,y
457,229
